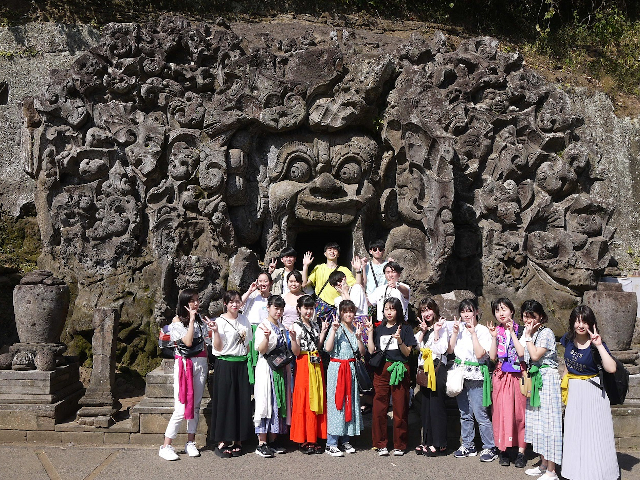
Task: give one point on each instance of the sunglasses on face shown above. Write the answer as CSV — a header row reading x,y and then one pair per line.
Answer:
x,y
377,249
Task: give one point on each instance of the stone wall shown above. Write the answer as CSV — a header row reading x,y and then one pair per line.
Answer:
x,y
311,89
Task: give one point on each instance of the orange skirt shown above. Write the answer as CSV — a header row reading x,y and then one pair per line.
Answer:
x,y
306,426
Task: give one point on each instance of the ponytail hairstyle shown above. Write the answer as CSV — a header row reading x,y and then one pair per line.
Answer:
x,y
469,305
532,306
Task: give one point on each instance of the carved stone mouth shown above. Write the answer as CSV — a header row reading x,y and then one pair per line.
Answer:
x,y
326,212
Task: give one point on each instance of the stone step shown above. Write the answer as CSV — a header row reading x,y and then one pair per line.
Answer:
x,y
8,397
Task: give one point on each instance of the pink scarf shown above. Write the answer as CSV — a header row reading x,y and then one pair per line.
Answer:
x,y
185,384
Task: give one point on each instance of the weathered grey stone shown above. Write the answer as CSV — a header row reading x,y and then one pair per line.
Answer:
x,y
98,400
157,147
40,308
616,315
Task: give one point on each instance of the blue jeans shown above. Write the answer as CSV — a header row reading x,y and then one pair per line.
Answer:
x,y
333,440
470,406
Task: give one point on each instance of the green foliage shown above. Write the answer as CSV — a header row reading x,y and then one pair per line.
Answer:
x,y
20,243
604,44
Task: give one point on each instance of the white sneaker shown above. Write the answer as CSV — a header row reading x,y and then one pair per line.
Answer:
x,y
348,448
536,471
191,449
398,453
334,451
383,452
549,476
168,453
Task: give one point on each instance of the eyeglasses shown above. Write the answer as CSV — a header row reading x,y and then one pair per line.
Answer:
x,y
377,249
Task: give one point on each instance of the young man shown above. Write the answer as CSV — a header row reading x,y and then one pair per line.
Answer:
x,y
393,288
279,275
319,278
374,269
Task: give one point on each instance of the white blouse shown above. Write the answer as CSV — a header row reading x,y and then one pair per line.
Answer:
x,y
235,335
439,348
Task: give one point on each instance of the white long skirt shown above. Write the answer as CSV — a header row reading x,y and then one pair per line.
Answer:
x,y
589,450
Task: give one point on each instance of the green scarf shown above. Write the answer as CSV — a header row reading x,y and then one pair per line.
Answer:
x,y
252,355
486,382
240,358
536,384
397,369
281,393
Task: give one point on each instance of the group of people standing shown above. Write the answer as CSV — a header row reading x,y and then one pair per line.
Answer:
x,y
291,343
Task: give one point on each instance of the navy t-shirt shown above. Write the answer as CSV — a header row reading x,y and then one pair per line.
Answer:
x,y
383,335
579,361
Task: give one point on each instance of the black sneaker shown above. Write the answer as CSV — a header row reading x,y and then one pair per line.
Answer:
x,y
504,459
276,448
521,461
264,451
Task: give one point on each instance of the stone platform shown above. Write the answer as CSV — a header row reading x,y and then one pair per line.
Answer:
x,y
37,400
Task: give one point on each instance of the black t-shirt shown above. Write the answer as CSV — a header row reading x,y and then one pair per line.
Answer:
x,y
383,334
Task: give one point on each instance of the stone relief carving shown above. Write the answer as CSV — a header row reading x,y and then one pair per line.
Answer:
x,y
173,146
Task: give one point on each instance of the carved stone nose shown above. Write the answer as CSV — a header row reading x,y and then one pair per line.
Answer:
x,y
326,183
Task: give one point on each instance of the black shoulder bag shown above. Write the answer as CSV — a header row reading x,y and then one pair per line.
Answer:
x,y
615,384
197,345
378,357
364,380
280,356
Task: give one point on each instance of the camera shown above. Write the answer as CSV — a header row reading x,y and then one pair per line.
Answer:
x,y
314,358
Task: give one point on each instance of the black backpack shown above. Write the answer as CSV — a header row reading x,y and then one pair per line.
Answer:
x,y
615,384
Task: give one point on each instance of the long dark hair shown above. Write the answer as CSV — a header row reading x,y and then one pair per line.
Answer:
x,y
397,306
431,304
346,306
584,313
183,302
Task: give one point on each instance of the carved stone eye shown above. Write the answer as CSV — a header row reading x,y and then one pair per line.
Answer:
x,y
298,171
350,172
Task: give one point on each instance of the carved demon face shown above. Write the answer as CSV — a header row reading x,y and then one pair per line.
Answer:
x,y
322,180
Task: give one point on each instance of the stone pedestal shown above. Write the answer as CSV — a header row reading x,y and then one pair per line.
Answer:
x,y
98,404
37,400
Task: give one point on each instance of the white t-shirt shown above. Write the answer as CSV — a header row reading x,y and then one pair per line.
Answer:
x,y
371,270
357,296
255,308
231,333
464,349
383,292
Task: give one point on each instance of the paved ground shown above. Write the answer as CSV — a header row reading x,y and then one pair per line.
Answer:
x,y
128,463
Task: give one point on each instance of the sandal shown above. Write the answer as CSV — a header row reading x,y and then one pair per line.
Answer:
x,y
318,448
430,453
420,450
236,450
224,451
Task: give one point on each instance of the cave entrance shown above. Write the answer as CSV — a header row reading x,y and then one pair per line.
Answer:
x,y
315,240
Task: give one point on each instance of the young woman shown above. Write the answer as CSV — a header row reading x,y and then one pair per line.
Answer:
x,y
309,417
343,402
471,342
189,374
433,341
255,308
588,451
543,422
272,388
391,379
294,284
231,391
508,402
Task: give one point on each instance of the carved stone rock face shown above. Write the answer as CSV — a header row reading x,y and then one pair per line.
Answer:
x,y
175,151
